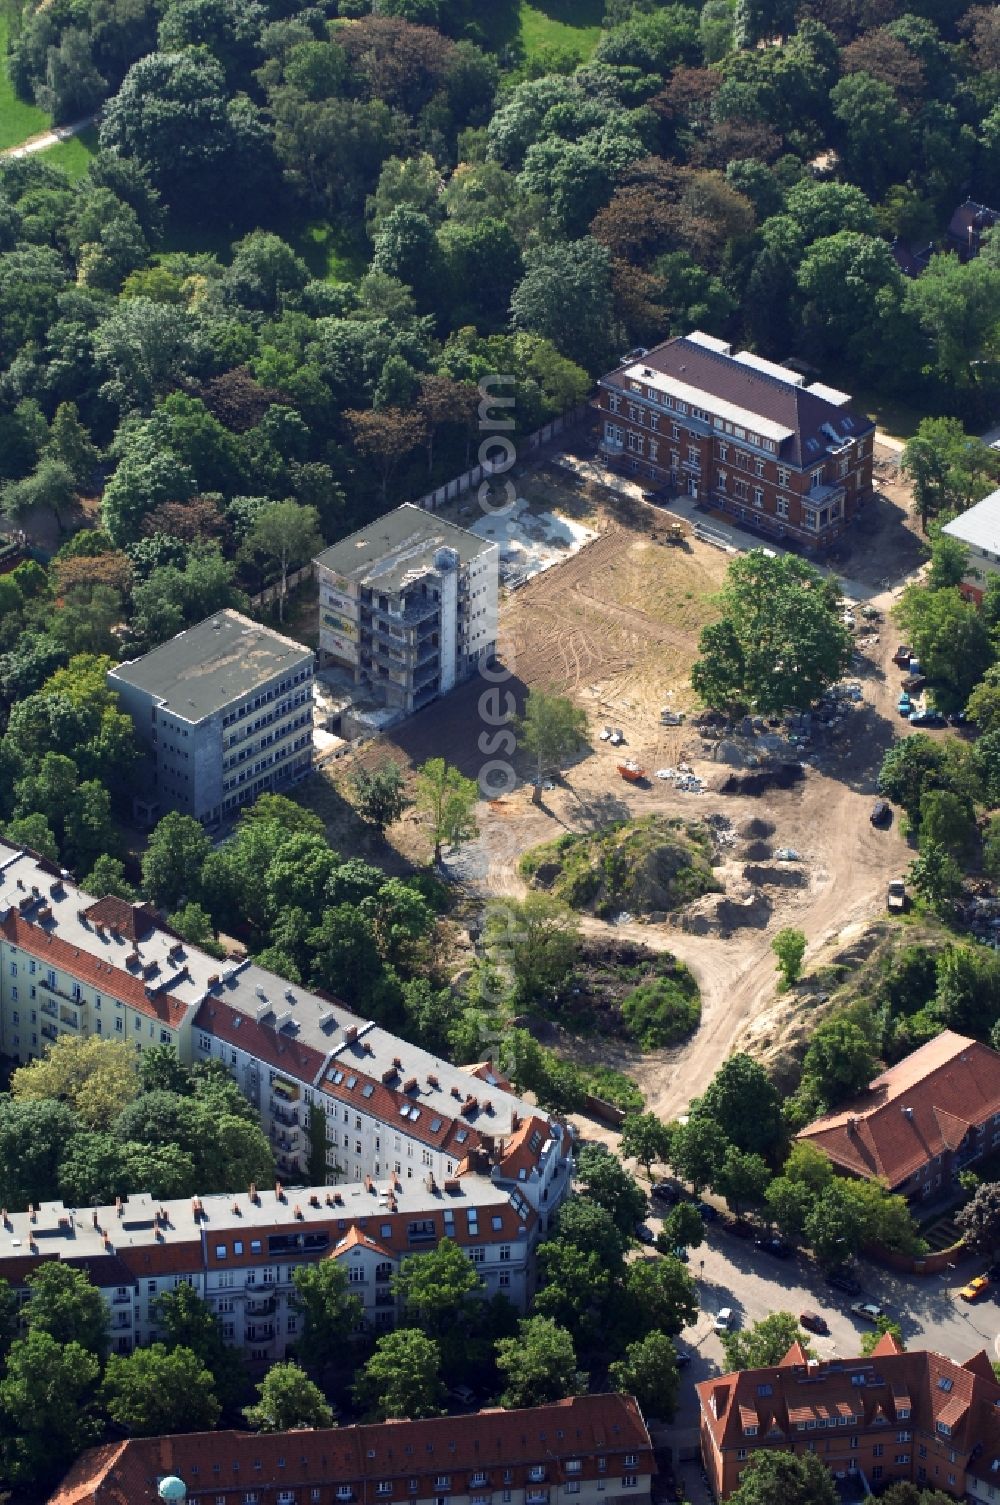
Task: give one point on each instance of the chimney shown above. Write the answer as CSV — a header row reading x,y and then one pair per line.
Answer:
x,y
350,1034
119,1209
254,1194
313,1200
32,1213
279,1192
297,1212
237,1213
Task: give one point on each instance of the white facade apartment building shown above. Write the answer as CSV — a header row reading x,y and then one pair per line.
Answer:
x,y
239,1250
408,606
70,964
224,711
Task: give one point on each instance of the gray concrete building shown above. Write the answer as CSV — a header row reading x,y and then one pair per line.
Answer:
x,y
408,606
224,711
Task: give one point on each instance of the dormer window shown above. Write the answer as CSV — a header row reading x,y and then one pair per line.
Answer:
x,y
903,1413
944,1429
749,1431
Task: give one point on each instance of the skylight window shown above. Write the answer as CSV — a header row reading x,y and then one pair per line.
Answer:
x,y
945,1384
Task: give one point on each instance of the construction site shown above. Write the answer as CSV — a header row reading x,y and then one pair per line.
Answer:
x,y
615,627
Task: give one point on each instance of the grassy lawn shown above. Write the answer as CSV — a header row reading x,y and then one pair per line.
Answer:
x,y
18,120
330,253
542,25
73,155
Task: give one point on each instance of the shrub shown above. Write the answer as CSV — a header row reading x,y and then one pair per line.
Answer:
x,y
662,1011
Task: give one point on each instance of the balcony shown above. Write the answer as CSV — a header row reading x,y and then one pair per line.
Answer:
x,y
49,1032
384,1298
611,446
260,1333
536,1496
261,1306
70,1017
287,1091
283,1115
822,496
536,1474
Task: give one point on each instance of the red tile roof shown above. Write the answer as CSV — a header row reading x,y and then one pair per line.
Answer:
x,y
284,1053
127,1473
133,920
964,1397
51,949
917,1109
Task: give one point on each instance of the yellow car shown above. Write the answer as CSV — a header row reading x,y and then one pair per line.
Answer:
x,y
975,1288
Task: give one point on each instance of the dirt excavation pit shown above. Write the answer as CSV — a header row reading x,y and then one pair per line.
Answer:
x,y
777,877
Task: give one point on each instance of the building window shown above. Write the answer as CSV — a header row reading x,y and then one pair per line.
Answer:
x,y
723,478
629,1481
758,496
783,475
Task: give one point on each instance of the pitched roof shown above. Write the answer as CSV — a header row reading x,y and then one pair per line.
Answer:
x,y
127,1473
35,938
133,920
775,395
915,1110
978,525
795,1393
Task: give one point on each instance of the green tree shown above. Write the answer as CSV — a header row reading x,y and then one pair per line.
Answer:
x,y
648,1370
645,1138
698,1150
379,794
157,1389
565,296
840,1061
780,641
402,1377
288,1400
329,1312
743,1179
64,1304
683,1228
447,800
950,637
574,1287
173,859
789,946
591,1229
33,1136
289,534
947,820
437,1289
550,731
189,1324
979,1219
936,877
948,467
763,1344
991,847
538,1366
537,938
779,1478
658,1295
606,1182
743,1101
194,925
96,1078
70,443
835,1226
47,1404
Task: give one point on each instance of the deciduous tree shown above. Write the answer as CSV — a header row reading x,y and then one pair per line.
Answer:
x,y
648,1370
537,1366
156,1389
288,1400
447,799
402,1377
96,1078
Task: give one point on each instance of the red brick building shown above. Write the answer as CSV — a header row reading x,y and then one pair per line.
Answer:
x,y
922,1121
590,1449
894,1415
740,434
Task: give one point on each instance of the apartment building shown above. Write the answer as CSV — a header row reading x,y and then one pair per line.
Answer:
x,y
921,1122
591,1449
408,606
224,711
979,530
740,434
320,1077
894,1415
239,1250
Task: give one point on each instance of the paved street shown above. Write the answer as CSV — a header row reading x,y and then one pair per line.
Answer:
x,y
731,1272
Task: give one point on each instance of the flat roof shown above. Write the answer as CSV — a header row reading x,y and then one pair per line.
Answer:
x,y
399,547
205,668
980,525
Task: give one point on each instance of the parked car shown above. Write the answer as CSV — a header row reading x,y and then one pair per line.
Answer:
x,y
707,1212
776,1247
975,1288
724,1320
679,1252
901,657
739,1228
683,1356
881,813
895,896
665,1191
905,706
644,1233
868,1311
843,1280
914,682
813,1322
927,718
958,718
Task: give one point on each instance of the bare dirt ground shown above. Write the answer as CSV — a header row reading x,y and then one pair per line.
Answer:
x,y
616,628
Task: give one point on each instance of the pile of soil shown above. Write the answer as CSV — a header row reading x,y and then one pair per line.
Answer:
x,y
648,866
781,776
754,828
